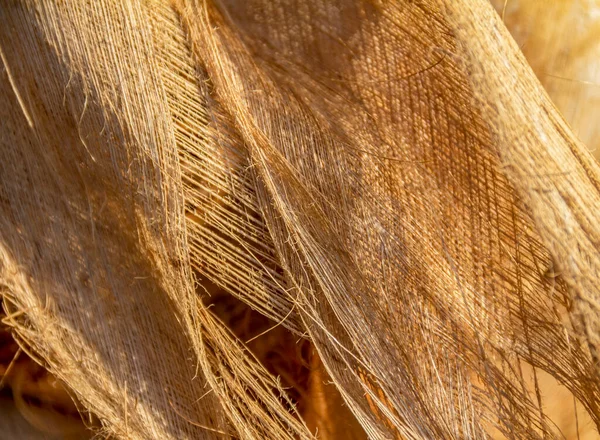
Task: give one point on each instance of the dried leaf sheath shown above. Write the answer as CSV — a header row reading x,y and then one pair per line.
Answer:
x,y
355,170
99,257
501,235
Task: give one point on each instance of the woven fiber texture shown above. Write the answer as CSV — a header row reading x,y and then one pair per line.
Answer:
x,y
385,181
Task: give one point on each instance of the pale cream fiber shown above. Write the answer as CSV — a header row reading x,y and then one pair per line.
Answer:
x,y
386,179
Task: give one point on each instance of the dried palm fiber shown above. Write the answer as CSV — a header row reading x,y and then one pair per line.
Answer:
x,y
30,397
108,289
560,41
388,180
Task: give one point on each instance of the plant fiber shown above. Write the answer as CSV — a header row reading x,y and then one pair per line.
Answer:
x,y
388,180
